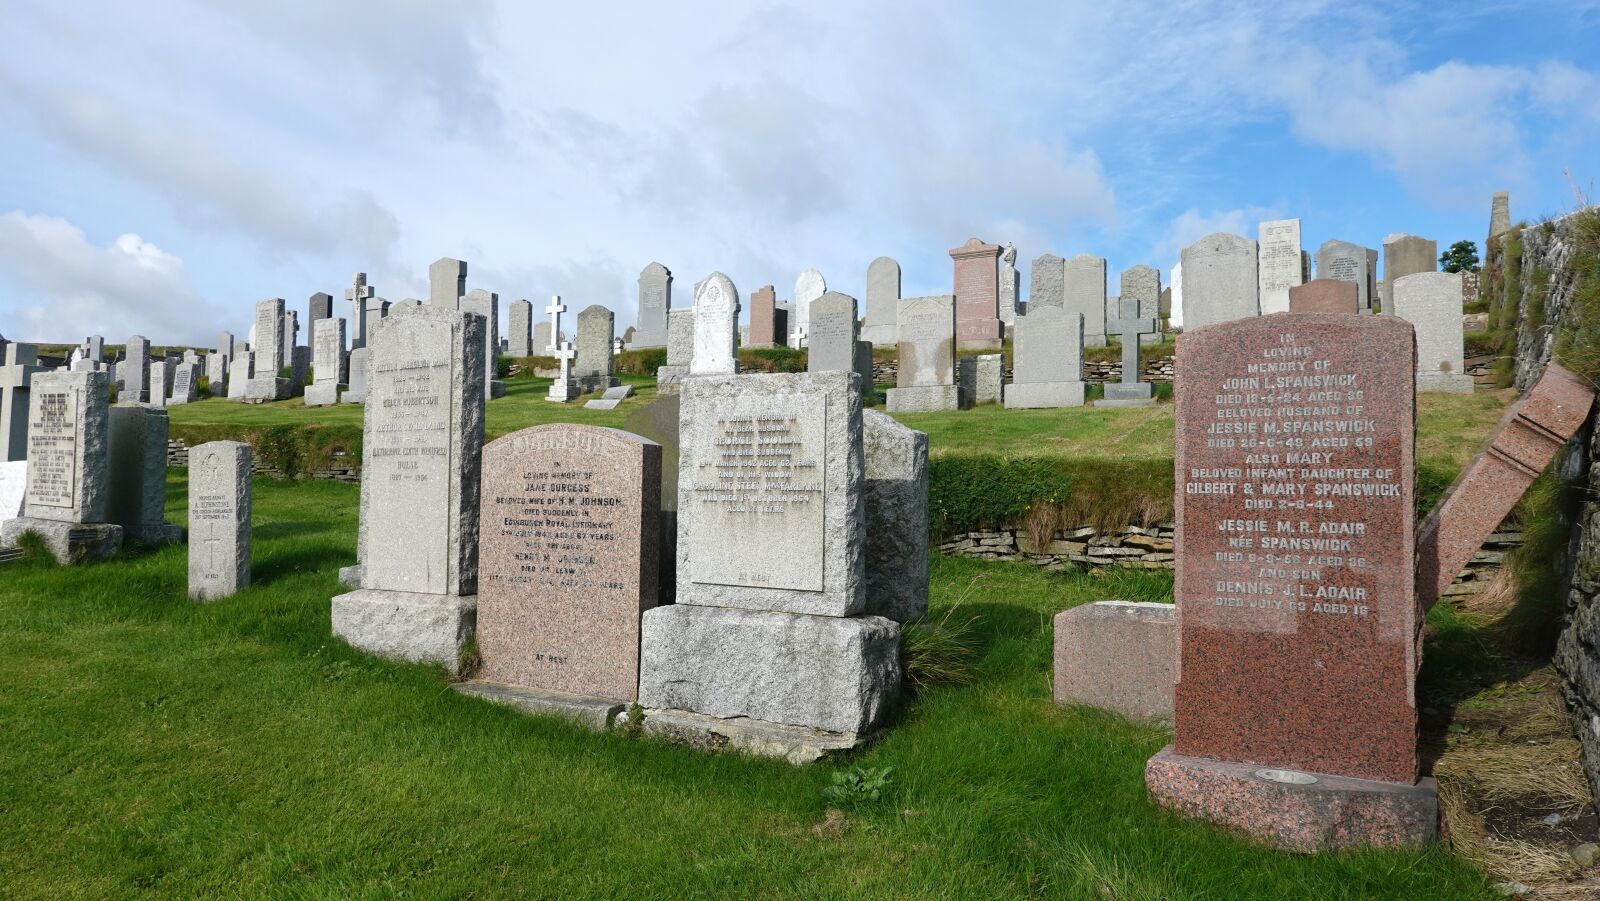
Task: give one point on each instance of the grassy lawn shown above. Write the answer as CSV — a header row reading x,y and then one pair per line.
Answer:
x,y
154,746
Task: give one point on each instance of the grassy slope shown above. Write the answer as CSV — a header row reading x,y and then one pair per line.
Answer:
x,y
237,749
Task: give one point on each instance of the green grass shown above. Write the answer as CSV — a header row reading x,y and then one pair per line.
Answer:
x,y
156,747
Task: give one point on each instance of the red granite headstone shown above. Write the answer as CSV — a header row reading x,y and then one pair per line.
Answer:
x,y
567,558
763,306
977,290
1296,613
1325,295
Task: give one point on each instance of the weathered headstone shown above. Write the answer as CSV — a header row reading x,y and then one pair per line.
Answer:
x,y
158,383
487,304
1130,328
980,379
21,363
321,307
832,334
1431,301
419,489
567,560
1405,255
883,302
977,296
1142,284
1325,295
185,384
896,498
219,518
239,369
359,295
1295,574
356,366
1047,283
328,362
763,319
135,373
66,495
136,475
1010,284
1219,280
565,387
1047,368
680,350
519,340
271,356
1499,214
1348,263
447,283
596,346
808,287
1278,263
1083,283
716,326
926,379
655,301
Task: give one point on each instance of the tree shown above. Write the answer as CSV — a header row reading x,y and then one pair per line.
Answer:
x,y
1461,257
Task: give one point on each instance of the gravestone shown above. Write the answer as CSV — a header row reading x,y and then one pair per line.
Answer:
x,y
1047,366
66,494
1325,295
21,364
763,318
869,387
327,365
543,346
1431,301
1279,263
359,295
1047,283
1009,286
1083,282
567,561
1175,309
832,334
219,518
565,387
610,398
519,341
1295,577
239,369
926,379
1499,214
655,301
299,369
716,326
159,370
13,485
94,350
136,475
447,283
1219,280
356,371
321,307
769,622
1348,262
596,349
1130,328
1142,284
421,452
487,304
782,320
977,296
1118,656
808,287
185,384
270,354
217,363
1405,255
680,351
883,302
980,379
896,501
135,373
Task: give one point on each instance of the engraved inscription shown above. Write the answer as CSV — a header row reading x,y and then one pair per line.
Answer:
x,y
53,449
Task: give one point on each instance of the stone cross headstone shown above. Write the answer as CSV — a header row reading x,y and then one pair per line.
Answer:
x,y
1296,702
563,388
770,619
925,381
716,326
358,294
807,288
1083,281
832,334
596,346
1131,391
567,560
21,363
219,518
135,373
520,339
66,496
321,307
1047,283
486,304
1143,285
1009,285
1325,295
764,331
1405,255
447,283
1431,301
421,451
1279,264
1048,360
977,296
1219,280
883,302
896,501
655,302
1348,263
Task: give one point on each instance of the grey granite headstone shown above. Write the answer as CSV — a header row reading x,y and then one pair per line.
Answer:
x,y
831,336
1220,281
1431,302
1047,283
883,301
21,362
356,371
980,379
897,517
487,304
66,497
596,345
321,306
1348,262
716,327
1084,290
359,295
655,302
136,475
926,379
327,362
239,375
1129,327
519,340
421,454
1047,368
158,383
270,355
1009,285
1405,255
299,369
185,384
447,282
1142,284
135,373
219,519
541,343
1279,263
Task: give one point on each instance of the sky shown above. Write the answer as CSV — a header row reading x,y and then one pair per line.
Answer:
x,y
164,165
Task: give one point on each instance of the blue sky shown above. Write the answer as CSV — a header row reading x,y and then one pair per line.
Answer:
x,y
164,165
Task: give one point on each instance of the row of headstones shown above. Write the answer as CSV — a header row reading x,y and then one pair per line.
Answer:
x,y
800,541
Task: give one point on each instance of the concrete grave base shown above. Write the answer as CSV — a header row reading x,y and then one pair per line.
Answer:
x,y
1444,382
407,625
1120,656
1125,402
264,389
1043,395
67,542
1128,391
797,744
595,713
1292,810
323,394
591,383
350,576
562,392
925,399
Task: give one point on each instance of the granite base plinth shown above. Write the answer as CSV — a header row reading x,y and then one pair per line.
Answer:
x,y
1043,395
1292,810
1128,391
406,625
350,576
924,399
562,392
1444,383
797,744
261,390
67,542
595,713
322,394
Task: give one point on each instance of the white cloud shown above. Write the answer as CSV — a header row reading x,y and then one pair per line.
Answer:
x,y
1192,225
73,287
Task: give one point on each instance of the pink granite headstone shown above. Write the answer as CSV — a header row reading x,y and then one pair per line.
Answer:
x,y
567,558
1325,295
977,290
763,307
